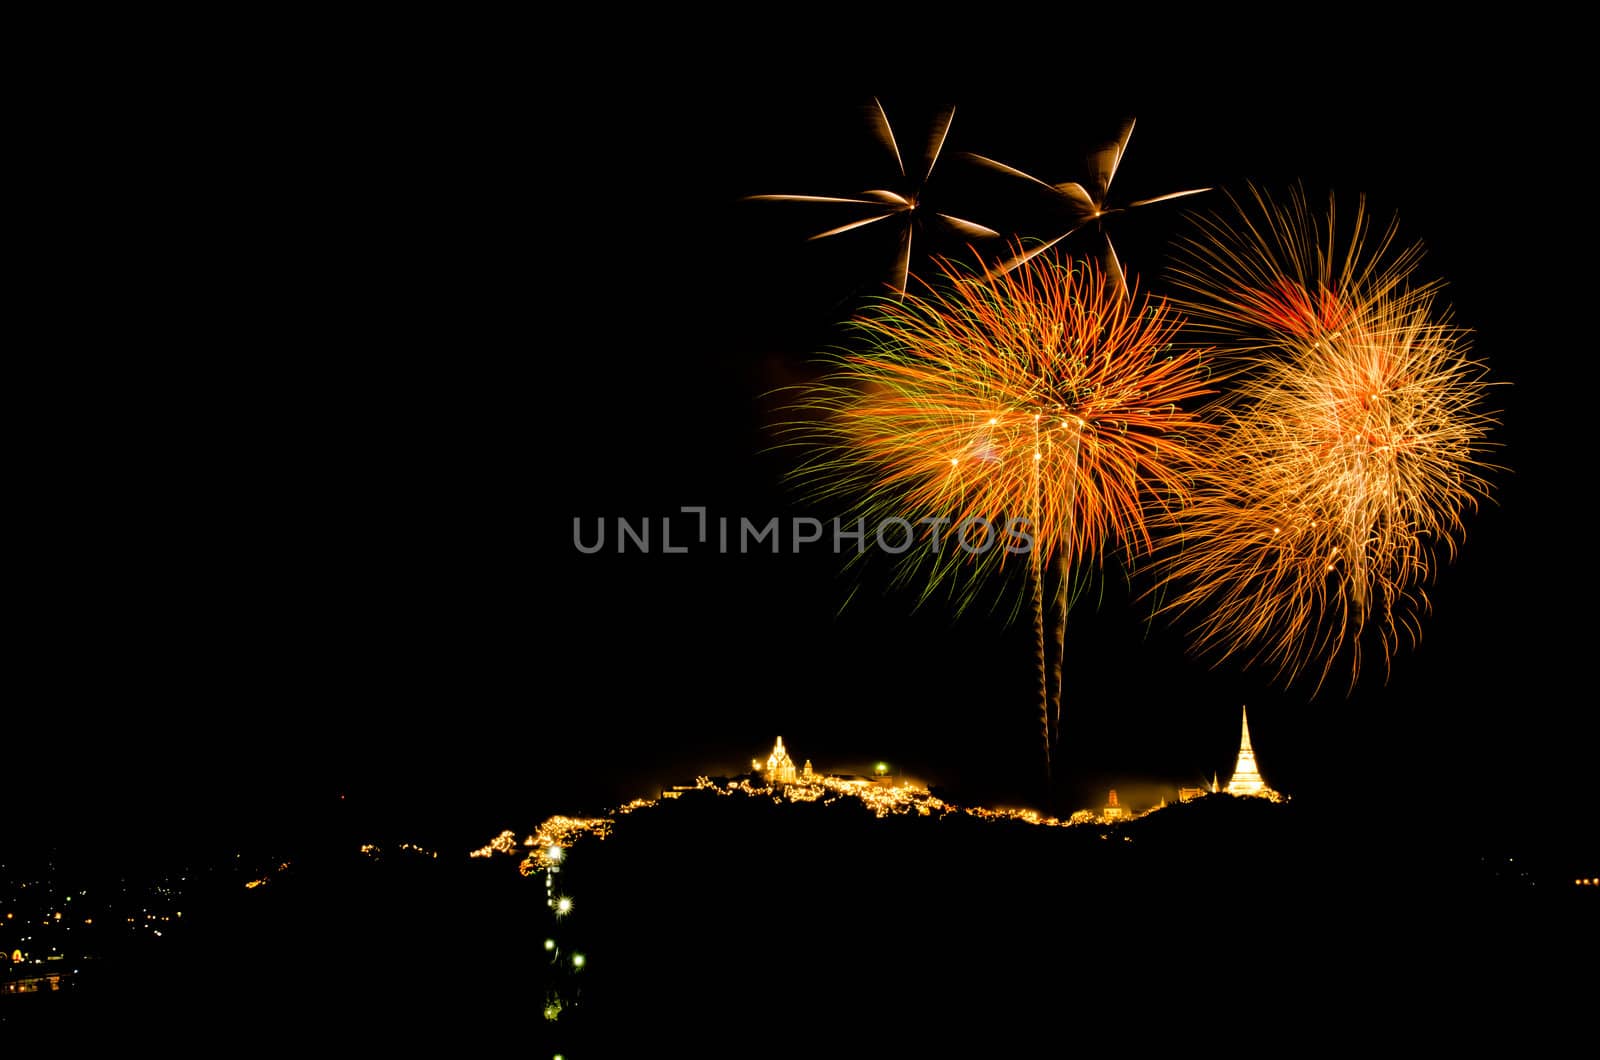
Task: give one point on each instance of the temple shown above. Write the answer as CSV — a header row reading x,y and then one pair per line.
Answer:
x,y
780,767
1246,778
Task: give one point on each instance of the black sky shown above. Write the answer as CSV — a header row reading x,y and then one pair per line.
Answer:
x,y
300,504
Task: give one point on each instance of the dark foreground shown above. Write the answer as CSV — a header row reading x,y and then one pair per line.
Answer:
x,y
750,928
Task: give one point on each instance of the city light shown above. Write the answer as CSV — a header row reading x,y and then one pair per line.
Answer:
x,y
549,944
563,907
415,849
504,843
579,960
558,833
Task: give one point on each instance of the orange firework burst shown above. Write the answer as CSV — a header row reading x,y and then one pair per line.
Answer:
x,y
1349,449
1023,418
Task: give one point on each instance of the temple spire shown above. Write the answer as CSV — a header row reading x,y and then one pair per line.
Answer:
x,y
1246,777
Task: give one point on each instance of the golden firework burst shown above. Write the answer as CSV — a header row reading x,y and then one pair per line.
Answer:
x,y
1016,420
1350,445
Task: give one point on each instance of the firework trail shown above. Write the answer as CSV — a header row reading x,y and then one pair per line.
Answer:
x,y
1089,205
1022,419
903,206
1349,448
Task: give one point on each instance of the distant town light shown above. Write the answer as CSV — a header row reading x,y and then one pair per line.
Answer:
x,y
554,853
883,767
549,944
564,906
578,960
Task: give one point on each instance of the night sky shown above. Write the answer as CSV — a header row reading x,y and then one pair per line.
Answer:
x,y
317,415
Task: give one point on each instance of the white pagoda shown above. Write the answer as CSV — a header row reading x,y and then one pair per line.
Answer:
x,y
1246,777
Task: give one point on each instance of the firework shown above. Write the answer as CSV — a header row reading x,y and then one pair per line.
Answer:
x,y
904,206
1021,419
1089,205
1349,448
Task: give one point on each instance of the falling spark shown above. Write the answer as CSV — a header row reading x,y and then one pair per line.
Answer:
x,y
1089,205
905,206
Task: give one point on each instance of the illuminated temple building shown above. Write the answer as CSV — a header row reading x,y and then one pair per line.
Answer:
x,y
1246,777
780,767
